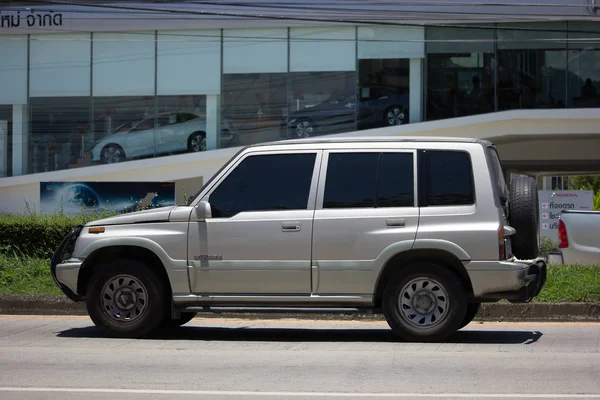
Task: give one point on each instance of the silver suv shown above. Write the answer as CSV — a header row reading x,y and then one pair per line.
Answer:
x,y
421,229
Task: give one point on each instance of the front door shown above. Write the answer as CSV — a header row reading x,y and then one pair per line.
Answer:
x,y
258,239
365,210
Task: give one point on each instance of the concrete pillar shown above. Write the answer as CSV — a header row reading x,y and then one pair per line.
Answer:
x,y
416,90
3,148
20,134
213,122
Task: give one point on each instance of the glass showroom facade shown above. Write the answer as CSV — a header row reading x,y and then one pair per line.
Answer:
x,y
75,99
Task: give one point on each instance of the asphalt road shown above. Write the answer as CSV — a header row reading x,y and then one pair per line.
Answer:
x,y
67,358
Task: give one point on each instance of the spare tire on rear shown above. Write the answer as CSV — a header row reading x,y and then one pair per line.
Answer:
x,y
524,216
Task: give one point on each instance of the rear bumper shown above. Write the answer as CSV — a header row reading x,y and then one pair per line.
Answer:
x,y
517,282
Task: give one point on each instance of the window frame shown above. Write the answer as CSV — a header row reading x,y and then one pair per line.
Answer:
x,y
208,191
424,181
323,176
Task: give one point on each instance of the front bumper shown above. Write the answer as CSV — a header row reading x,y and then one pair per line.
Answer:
x,y
64,268
532,277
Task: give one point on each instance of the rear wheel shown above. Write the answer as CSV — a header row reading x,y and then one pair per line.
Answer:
x,y
472,310
523,215
197,142
112,154
424,302
126,299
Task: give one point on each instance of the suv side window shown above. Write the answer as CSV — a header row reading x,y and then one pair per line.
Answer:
x,y
265,183
449,177
368,180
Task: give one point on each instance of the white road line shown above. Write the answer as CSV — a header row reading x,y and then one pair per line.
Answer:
x,y
306,394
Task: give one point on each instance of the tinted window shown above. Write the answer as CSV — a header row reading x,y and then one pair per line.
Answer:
x,y
369,180
265,183
396,182
449,178
351,180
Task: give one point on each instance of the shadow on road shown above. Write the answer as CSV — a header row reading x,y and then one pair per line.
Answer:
x,y
249,334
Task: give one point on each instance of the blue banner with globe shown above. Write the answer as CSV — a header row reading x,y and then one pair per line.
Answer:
x,y
75,197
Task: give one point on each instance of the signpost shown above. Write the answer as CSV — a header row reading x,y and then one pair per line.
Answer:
x,y
552,202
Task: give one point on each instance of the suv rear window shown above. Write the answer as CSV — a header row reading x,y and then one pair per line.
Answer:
x,y
449,178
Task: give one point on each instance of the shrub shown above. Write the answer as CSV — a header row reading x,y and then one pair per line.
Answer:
x,y
38,235
548,245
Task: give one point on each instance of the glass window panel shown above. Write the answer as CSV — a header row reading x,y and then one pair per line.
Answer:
x,y
253,109
323,49
123,128
322,103
181,124
265,183
60,135
460,72
60,65
351,180
5,141
255,50
383,42
449,178
189,62
383,92
396,180
123,64
13,69
584,65
532,66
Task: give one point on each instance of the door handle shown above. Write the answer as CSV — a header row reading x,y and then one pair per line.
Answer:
x,y
290,227
395,222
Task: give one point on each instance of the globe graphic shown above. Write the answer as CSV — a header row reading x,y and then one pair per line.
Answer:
x,y
79,195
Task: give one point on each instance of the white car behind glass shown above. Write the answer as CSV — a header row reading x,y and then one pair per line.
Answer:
x,y
174,132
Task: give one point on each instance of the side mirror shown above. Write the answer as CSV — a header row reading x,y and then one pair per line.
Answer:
x,y
203,210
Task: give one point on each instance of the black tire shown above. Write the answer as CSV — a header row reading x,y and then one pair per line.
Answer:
x,y
183,319
152,310
454,305
523,215
472,310
394,119
112,154
197,142
307,124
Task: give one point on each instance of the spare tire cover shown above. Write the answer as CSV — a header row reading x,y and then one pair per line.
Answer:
x,y
524,216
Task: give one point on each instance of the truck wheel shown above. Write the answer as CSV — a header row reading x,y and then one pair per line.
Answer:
x,y
126,299
183,319
524,216
425,302
472,310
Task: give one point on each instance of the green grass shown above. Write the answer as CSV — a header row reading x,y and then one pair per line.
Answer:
x,y
575,283
26,276
21,275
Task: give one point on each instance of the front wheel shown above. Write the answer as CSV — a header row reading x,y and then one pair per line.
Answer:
x,y
183,319
126,299
424,302
303,128
112,154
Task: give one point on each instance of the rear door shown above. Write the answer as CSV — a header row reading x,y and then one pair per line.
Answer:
x,y
365,205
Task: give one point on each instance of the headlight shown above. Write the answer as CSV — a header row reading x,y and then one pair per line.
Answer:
x,y
69,243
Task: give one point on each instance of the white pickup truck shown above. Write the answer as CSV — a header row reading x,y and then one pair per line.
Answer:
x,y
579,237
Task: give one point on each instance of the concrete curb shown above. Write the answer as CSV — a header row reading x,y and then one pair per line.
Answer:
x,y
579,312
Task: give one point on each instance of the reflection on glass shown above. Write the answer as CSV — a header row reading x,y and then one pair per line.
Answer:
x,y
531,67
383,93
123,128
322,103
460,72
5,141
59,133
254,106
584,65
